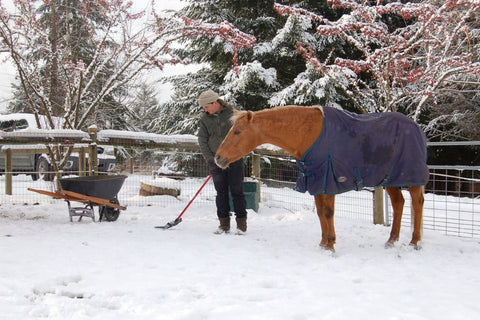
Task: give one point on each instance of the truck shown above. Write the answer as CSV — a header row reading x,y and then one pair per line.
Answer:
x,y
38,164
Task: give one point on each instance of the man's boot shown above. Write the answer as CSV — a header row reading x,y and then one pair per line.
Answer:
x,y
224,226
241,225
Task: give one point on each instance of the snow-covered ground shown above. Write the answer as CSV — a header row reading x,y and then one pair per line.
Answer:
x,y
54,269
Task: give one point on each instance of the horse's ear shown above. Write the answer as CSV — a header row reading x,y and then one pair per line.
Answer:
x,y
249,116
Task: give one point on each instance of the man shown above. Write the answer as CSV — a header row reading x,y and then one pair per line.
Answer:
x,y
214,125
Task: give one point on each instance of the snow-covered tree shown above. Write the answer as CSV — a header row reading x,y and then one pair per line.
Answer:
x,y
307,86
262,72
180,115
252,17
143,109
60,83
397,68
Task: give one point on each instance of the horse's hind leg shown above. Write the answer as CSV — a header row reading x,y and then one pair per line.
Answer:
x,y
416,194
398,201
325,210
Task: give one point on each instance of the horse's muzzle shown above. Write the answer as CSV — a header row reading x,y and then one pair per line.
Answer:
x,y
221,162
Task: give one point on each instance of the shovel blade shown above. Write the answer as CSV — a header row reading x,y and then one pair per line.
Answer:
x,y
170,224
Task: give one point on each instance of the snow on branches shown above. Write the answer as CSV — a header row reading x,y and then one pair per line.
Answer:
x,y
185,29
406,64
251,76
225,32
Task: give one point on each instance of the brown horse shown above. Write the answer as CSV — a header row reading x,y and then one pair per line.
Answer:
x,y
296,129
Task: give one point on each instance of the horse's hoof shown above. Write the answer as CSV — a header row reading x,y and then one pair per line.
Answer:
x,y
327,247
389,244
415,246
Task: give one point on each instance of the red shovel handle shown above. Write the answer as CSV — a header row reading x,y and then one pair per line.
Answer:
x,y
179,218
196,194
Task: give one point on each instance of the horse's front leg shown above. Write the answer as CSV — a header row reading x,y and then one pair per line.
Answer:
x,y
325,210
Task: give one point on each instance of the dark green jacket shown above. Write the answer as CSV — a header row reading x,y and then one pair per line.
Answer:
x,y
212,130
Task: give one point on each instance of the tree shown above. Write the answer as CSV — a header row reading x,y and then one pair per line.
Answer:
x,y
143,111
264,72
62,84
406,67
57,77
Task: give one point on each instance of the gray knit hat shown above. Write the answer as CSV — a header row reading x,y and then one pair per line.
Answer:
x,y
207,97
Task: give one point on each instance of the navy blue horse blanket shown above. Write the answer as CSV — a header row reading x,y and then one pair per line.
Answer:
x,y
356,151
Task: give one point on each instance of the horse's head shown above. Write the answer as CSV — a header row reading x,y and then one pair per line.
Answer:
x,y
242,138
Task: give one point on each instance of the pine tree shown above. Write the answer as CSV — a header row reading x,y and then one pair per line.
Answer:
x,y
265,73
143,110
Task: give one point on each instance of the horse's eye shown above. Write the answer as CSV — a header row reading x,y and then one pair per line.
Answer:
x,y
237,132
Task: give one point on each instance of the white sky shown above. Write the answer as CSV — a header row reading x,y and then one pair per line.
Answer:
x,y
7,71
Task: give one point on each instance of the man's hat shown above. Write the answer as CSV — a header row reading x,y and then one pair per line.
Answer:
x,y
207,97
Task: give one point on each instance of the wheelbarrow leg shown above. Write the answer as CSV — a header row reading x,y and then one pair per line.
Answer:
x,y
86,211
70,211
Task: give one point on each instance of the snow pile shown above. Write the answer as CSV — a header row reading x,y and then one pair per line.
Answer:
x,y
162,182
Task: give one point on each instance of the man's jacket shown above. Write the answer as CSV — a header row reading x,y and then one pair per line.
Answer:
x,y
212,130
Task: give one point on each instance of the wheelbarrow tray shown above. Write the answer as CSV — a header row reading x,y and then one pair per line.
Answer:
x,y
106,187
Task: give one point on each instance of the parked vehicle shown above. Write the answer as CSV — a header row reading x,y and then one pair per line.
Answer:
x,y
38,164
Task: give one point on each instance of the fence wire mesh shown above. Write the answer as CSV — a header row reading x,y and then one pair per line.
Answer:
x,y
452,197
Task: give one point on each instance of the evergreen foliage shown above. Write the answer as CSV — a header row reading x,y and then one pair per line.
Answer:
x,y
144,109
269,74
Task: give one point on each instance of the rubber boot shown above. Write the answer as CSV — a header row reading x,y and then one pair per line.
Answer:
x,y
241,225
224,226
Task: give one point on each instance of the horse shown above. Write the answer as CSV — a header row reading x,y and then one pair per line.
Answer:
x,y
338,151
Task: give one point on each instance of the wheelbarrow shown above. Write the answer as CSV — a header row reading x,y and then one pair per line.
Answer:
x,y
90,190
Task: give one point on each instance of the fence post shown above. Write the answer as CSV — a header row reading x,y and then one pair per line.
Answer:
x,y
378,215
256,170
82,164
8,171
92,152
130,164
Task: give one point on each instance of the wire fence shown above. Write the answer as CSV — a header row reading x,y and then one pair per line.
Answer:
x,y
452,201
452,196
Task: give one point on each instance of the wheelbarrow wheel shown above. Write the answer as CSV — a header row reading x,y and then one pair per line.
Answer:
x,y
109,213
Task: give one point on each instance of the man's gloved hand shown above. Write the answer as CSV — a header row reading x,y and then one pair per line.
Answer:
x,y
212,166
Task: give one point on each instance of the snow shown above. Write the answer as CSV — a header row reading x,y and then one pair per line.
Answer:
x,y
239,79
162,182
105,135
55,269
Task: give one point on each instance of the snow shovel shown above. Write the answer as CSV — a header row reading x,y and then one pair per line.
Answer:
x,y
179,218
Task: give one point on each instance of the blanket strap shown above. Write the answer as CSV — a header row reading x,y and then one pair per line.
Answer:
x,y
358,179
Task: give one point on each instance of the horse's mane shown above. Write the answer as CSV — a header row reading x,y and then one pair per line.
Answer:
x,y
280,109
237,114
